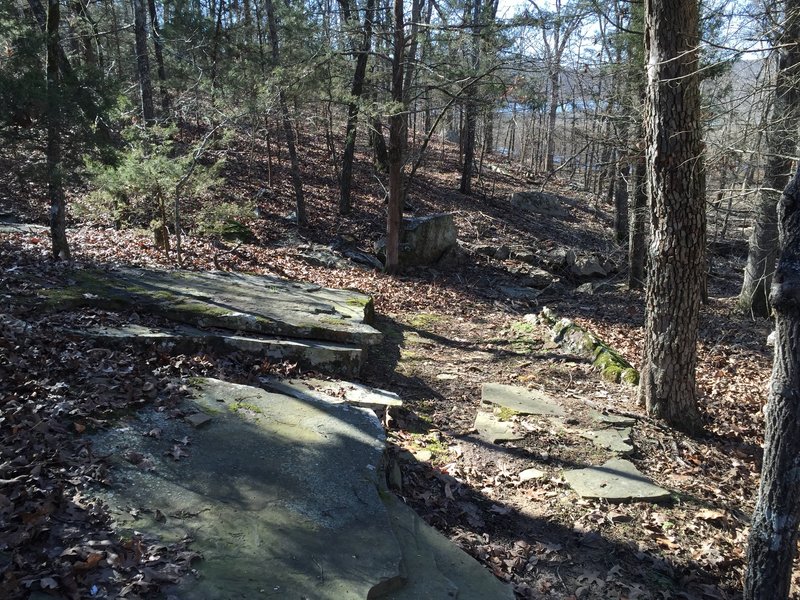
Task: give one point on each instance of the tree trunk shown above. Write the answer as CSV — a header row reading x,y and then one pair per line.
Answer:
x,y
143,61
158,45
677,248
55,187
638,226
346,175
471,105
397,142
84,101
551,122
297,182
781,146
773,537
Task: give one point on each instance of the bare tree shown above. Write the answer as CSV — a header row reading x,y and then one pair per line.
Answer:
x,y
288,131
398,137
54,180
142,60
781,146
773,537
677,207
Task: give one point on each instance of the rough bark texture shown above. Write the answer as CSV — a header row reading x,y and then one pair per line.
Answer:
x,y
620,188
84,101
781,146
142,60
346,175
677,210
158,46
398,134
54,184
773,537
288,131
471,107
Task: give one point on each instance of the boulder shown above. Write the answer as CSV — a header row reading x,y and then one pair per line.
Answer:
x,y
424,240
539,202
525,255
587,266
558,258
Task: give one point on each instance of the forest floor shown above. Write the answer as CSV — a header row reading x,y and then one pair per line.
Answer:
x,y
446,333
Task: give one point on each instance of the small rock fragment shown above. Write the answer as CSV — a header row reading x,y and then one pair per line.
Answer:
x,y
197,419
529,474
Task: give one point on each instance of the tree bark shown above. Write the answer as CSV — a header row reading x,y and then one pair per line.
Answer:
x,y
357,89
288,131
398,134
623,170
143,61
55,188
158,45
677,208
84,101
638,225
781,146
773,537
471,105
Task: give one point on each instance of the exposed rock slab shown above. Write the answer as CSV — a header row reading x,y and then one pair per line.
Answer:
x,y
9,227
334,391
245,303
613,439
520,399
278,494
492,429
435,568
343,360
617,480
612,419
539,202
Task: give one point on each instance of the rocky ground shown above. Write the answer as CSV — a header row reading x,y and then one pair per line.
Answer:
x,y
446,334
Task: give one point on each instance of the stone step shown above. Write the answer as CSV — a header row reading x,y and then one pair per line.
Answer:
x,y
341,360
238,302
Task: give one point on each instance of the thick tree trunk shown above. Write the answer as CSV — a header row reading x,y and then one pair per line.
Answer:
x,y
286,121
142,60
773,537
397,143
781,147
54,184
677,247
357,89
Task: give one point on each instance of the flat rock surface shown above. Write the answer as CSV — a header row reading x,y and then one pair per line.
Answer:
x,y
334,391
491,429
617,480
615,440
236,301
612,419
436,569
280,495
520,399
330,357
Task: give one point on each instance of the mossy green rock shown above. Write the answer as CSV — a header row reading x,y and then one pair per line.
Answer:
x,y
240,302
